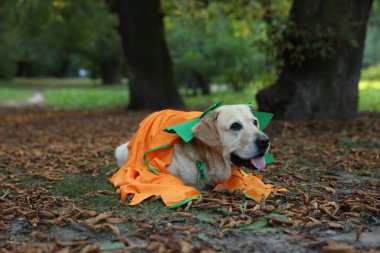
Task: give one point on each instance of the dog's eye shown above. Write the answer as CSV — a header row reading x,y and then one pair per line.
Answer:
x,y
255,122
236,126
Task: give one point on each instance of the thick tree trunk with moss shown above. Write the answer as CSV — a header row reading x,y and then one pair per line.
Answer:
x,y
149,67
323,84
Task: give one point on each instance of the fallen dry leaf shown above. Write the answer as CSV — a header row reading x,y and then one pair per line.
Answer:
x,y
98,218
336,247
3,226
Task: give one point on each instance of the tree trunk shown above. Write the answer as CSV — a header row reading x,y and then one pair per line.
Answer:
x,y
110,71
322,86
202,82
149,67
25,69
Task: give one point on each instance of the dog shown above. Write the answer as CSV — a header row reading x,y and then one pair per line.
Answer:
x,y
225,138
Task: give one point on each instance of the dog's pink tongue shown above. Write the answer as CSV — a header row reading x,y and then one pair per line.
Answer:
x,y
259,162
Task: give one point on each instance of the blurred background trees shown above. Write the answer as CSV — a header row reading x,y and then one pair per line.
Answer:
x,y
57,38
236,47
210,42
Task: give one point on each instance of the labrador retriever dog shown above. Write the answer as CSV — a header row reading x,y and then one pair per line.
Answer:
x,y
225,138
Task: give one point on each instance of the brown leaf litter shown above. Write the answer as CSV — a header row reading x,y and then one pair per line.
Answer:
x,y
332,175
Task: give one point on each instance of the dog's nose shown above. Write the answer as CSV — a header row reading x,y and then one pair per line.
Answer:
x,y
262,141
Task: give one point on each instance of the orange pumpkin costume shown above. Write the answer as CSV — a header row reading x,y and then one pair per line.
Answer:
x,y
145,173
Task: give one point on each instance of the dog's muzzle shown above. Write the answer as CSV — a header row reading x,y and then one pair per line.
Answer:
x,y
258,161
262,143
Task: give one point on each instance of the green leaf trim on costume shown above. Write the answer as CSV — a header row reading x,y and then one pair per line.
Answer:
x,y
184,130
268,158
201,172
185,201
264,118
150,151
249,197
214,106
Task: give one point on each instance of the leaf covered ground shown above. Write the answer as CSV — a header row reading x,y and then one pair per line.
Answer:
x,y
54,194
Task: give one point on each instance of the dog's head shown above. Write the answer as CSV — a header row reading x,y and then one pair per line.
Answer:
x,y
234,130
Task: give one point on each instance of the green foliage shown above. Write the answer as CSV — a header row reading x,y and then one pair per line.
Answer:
x,y
56,37
298,43
214,42
317,42
210,41
7,66
372,45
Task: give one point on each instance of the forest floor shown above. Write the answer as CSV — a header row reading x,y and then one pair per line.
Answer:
x,y
54,194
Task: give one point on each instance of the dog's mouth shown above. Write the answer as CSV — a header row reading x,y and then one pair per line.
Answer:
x,y
255,163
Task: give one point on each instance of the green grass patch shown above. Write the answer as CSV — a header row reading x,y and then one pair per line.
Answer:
x,y
369,89
87,97
147,208
369,99
76,186
85,93
102,203
19,95
33,181
371,73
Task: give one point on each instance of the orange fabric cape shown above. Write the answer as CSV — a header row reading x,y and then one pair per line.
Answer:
x,y
144,174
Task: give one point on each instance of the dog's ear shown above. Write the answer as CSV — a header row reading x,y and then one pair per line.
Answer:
x,y
206,130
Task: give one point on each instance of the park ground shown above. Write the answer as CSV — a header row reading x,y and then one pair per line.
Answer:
x,y
55,161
